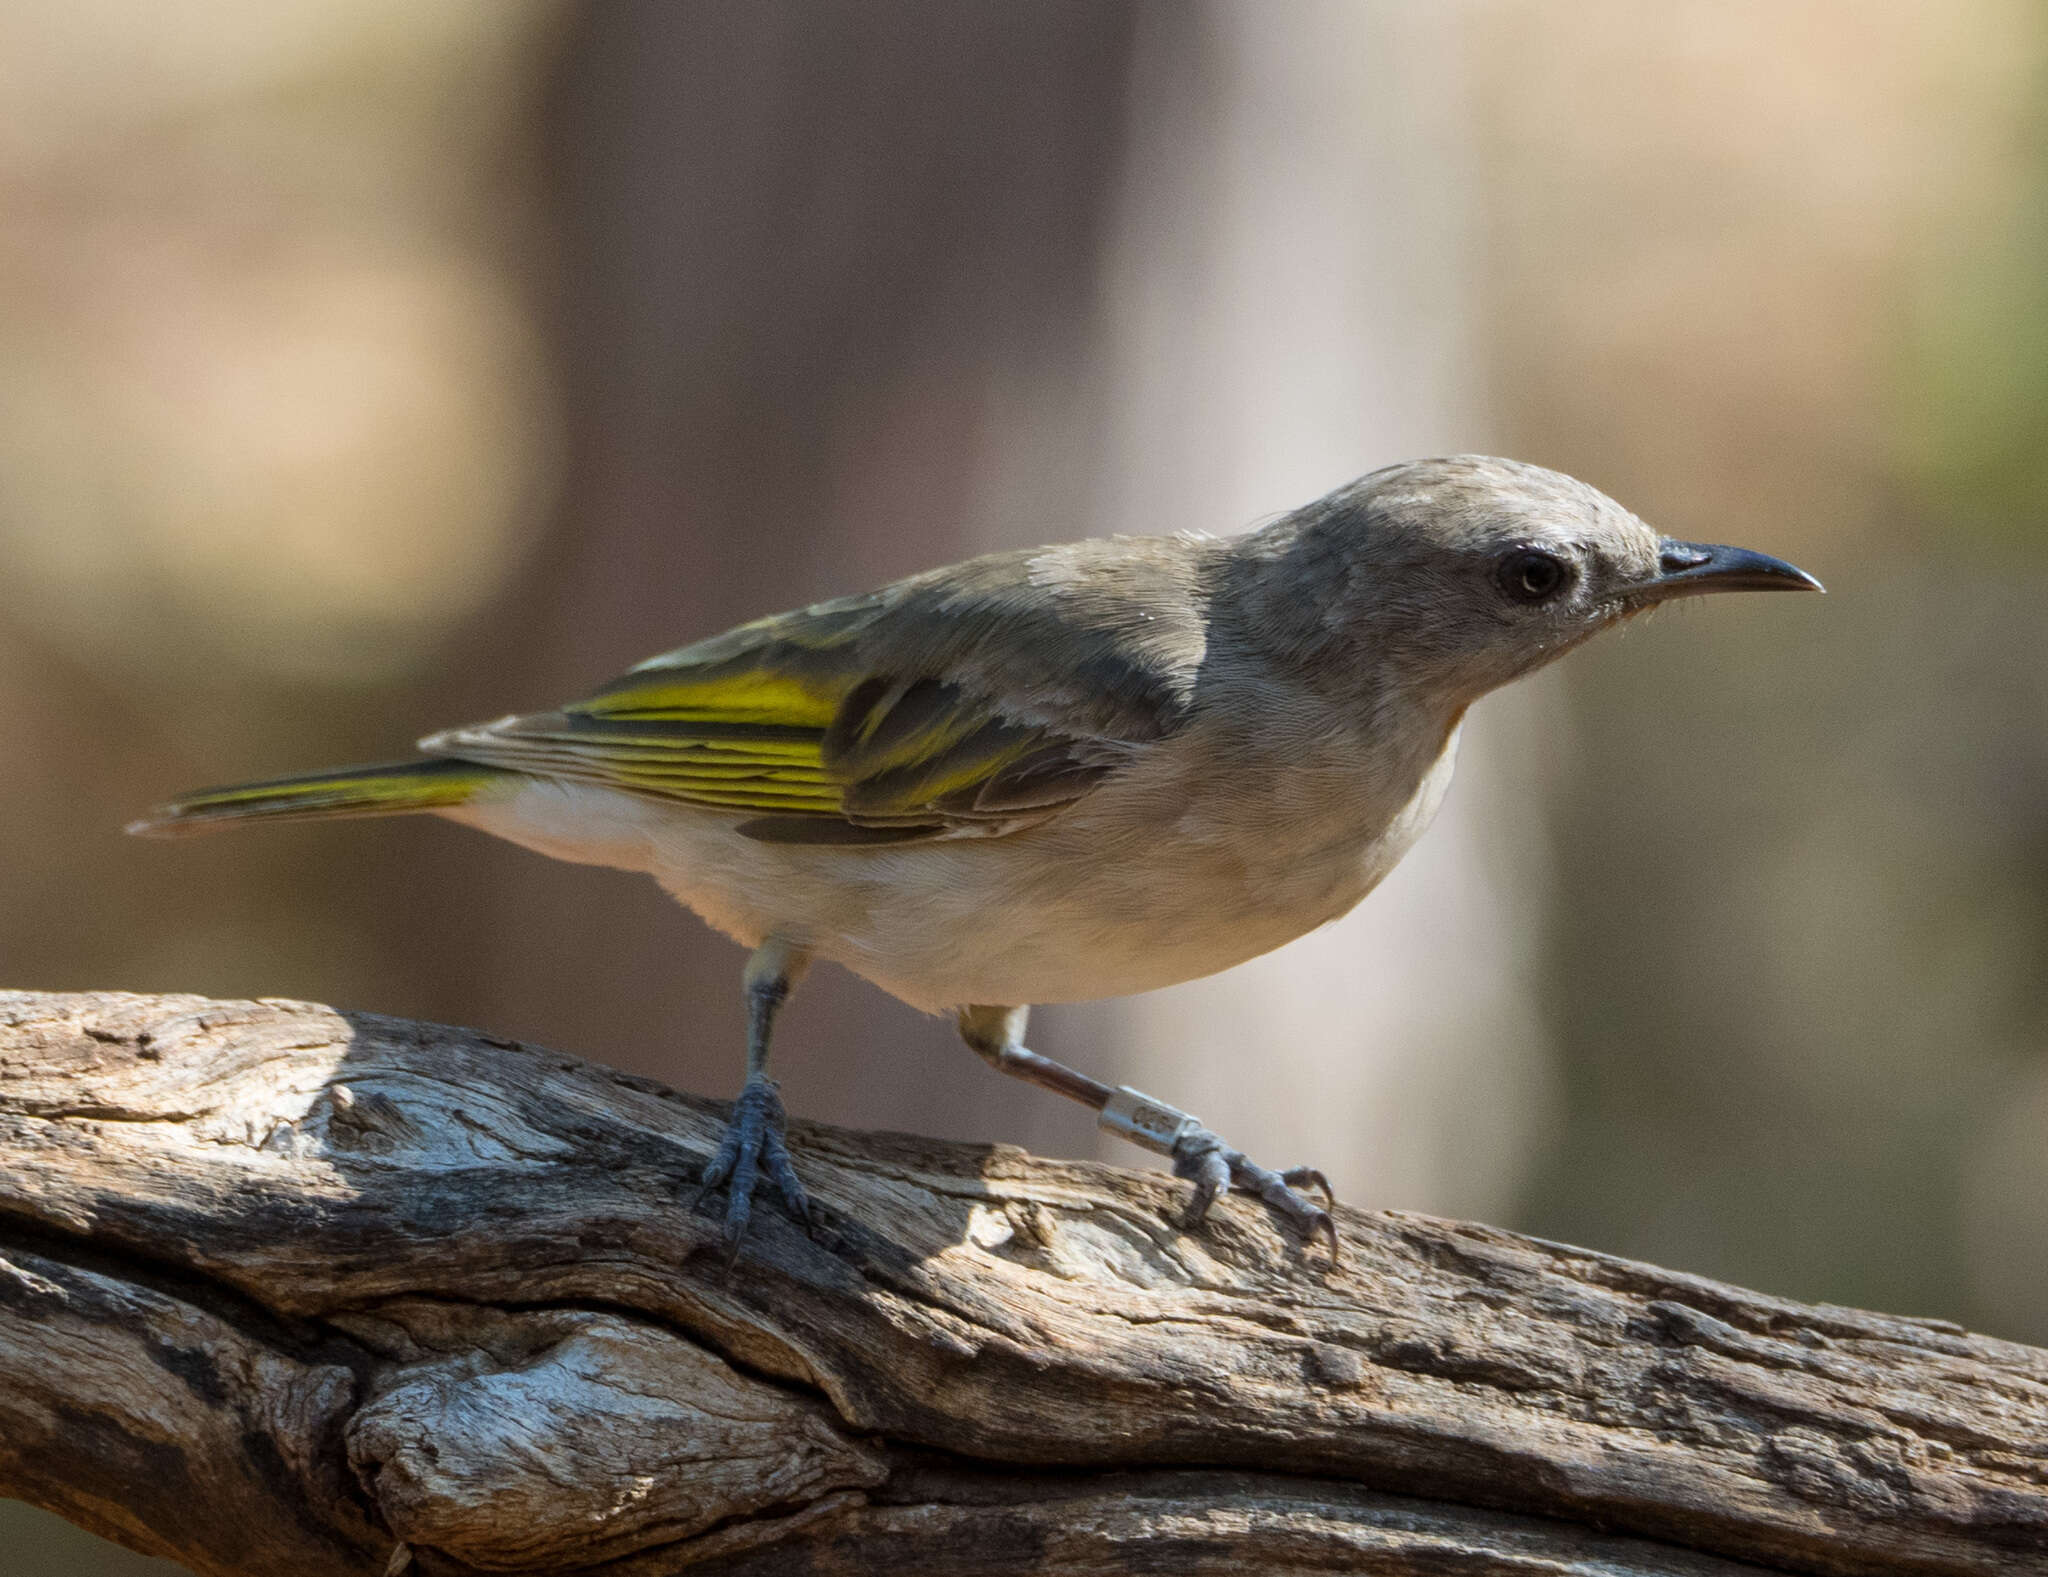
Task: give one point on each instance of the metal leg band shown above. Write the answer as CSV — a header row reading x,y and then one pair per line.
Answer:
x,y
1134,1115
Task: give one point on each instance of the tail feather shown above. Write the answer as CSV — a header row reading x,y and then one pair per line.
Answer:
x,y
399,788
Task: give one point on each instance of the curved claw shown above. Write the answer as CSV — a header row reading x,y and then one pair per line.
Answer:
x,y
1310,1177
1212,1166
753,1139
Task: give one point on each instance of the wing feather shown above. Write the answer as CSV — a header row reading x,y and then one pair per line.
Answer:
x,y
969,702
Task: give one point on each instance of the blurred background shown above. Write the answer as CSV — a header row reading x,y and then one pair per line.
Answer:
x,y
369,366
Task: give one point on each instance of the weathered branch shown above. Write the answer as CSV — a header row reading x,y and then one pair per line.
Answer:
x,y
281,1288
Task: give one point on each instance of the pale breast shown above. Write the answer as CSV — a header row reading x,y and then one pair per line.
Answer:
x,y
1196,859
1164,875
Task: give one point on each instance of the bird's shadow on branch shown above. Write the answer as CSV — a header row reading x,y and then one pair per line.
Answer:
x,y
571,1178
395,1160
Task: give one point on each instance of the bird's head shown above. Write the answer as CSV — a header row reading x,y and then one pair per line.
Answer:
x,y
1468,571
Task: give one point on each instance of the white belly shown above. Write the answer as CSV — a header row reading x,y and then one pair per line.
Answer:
x,y
1150,881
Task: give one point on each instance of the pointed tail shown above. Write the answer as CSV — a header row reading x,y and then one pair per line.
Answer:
x,y
401,788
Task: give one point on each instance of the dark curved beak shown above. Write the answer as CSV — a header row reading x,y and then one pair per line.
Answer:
x,y
1692,569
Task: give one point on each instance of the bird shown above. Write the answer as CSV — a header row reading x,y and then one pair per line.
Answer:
x,y
1055,774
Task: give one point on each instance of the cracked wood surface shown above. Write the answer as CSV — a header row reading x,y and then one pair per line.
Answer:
x,y
282,1289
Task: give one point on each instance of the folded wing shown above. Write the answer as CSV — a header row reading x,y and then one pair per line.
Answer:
x,y
971,702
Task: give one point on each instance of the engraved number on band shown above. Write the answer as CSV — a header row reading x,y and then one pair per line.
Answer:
x,y
1138,1117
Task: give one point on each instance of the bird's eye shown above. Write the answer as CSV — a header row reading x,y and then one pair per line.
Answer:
x,y
1531,575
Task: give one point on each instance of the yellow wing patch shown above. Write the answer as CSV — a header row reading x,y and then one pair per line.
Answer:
x,y
806,757
750,695
671,759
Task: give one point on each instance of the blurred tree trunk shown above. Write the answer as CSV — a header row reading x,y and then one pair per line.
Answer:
x,y
816,267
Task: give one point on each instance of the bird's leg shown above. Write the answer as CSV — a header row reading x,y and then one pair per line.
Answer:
x,y
997,1036
753,1134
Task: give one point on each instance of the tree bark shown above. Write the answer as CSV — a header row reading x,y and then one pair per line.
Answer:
x,y
287,1290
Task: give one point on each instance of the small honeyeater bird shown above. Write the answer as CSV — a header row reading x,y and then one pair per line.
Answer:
x,y
1059,773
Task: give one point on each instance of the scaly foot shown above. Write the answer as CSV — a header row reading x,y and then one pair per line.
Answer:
x,y
753,1140
1212,1166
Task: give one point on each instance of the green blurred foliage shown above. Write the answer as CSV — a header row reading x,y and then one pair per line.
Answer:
x,y
1973,388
